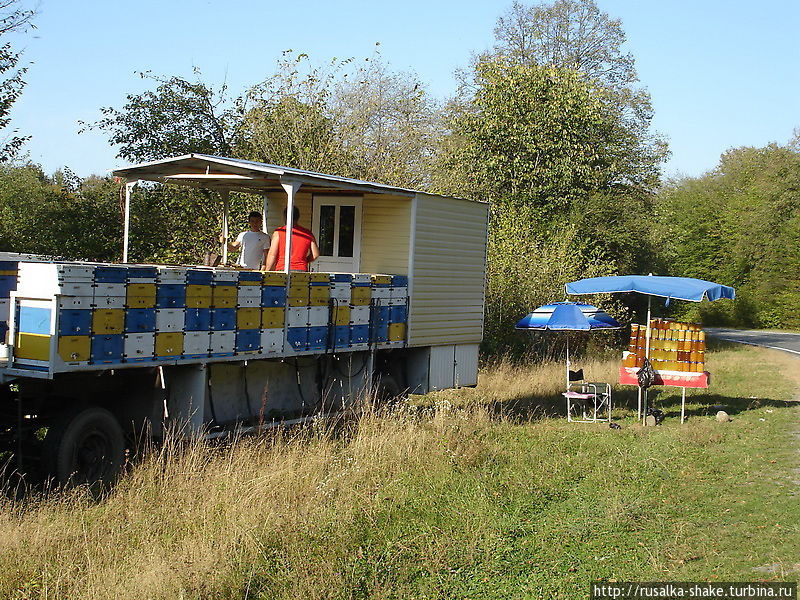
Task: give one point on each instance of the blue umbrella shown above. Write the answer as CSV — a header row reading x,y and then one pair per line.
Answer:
x,y
567,316
681,288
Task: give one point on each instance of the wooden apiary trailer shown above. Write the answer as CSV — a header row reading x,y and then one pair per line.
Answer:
x,y
395,301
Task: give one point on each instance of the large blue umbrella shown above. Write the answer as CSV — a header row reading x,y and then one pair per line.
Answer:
x,y
567,316
680,288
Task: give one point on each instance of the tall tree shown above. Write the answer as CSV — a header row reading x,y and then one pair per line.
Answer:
x,y
177,117
13,18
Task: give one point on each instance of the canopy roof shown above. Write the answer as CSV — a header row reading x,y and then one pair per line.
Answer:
x,y
567,316
681,288
217,172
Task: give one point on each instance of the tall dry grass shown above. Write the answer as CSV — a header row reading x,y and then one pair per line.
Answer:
x,y
417,492
195,520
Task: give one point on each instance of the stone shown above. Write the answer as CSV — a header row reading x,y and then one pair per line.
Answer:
x,y
723,417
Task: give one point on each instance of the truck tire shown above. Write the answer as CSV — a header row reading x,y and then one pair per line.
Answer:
x,y
387,389
85,447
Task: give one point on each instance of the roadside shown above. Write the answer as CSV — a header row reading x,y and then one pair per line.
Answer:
x,y
784,341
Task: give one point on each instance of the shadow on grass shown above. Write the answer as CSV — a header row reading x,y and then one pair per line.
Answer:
x,y
526,408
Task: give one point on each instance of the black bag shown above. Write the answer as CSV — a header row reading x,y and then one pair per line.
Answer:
x,y
646,375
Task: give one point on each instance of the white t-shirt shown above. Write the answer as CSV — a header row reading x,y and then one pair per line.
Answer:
x,y
252,250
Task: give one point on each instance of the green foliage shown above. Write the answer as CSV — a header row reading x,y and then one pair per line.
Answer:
x,y
59,215
531,135
739,225
12,19
177,117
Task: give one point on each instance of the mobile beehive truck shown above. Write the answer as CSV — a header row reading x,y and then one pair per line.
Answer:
x,y
95,354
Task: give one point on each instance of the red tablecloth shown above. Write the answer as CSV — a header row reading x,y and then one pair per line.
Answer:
x,y
627,376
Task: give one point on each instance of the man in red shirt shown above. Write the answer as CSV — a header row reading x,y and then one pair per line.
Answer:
x,y
304,247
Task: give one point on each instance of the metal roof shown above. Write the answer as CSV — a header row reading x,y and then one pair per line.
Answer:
x,y
217,172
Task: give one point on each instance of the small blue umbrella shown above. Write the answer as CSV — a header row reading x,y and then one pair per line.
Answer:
x,y
567,316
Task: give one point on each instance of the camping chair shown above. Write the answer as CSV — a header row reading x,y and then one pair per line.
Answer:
x,y
589,401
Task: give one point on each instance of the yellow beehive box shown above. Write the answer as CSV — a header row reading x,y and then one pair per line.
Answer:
x,y
298,294
108,320
273,278
397,332
198,296
360,295
300,278
318,295
224,296
381,279
74,348
248,318
33,346
169,343
341,315
272,318
140,295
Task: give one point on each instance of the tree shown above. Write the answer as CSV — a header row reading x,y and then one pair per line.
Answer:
x,y
575,35
739,225
178,117
12,19
389,125
567,34
534,135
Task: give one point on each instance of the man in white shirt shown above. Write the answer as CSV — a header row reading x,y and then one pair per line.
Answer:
x,y
254,243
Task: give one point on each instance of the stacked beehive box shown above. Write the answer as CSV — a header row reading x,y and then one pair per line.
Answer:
x,y
114,314
8,284
674,346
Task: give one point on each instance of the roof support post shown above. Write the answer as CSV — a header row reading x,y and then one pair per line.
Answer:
x,y
291,188
225,195
264,209
126,219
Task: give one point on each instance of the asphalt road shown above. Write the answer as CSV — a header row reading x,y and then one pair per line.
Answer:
x,y
777,340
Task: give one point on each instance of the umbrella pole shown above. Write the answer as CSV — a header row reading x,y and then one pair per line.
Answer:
x,y
567,388
643,394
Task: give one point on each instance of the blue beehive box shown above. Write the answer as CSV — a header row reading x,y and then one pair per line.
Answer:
x,y
341,336
380,331
107,348
199,277
198,319
399,280
74,322
272,295
398,314
140,320
248,340
142,273
341,277
223,319
110,274
297,337
318,338
8,283
250,276
359,334
379,314
170,295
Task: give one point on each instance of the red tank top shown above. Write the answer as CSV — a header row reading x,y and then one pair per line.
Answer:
x,y
301,248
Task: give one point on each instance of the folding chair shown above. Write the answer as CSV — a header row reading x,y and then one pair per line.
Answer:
x,y
590,401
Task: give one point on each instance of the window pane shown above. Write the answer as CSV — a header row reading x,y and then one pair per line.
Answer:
x,y
347,222
327,217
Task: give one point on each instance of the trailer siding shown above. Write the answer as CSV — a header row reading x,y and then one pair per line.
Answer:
x,y
448,271
385,231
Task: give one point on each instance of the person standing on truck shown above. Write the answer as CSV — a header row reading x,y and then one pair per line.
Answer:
x,y
304,246
254,243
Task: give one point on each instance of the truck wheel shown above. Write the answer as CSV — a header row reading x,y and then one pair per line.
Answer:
x,y
87,447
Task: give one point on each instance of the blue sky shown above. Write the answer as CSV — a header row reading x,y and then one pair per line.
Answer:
x,y
721,74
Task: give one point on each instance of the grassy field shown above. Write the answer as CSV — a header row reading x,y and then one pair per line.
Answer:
x,y
484,493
